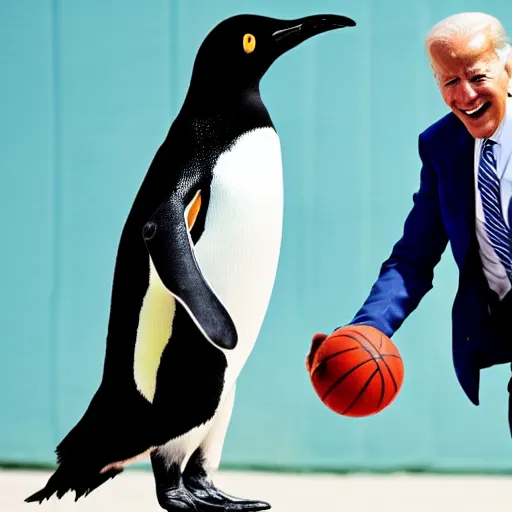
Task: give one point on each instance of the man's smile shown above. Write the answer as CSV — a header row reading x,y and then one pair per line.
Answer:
x,y
478,111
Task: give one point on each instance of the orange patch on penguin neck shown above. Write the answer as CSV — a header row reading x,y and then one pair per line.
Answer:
x,y
194,211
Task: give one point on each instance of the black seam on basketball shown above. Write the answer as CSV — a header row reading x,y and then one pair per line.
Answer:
x,y
383,382
383,360
359,341
381,340
390,373
389,355
379,356
362,390
344,376
369,341
333,355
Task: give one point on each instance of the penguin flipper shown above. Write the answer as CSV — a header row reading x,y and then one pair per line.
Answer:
x,y
169,244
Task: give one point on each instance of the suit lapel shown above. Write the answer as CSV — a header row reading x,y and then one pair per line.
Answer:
x,y
463,172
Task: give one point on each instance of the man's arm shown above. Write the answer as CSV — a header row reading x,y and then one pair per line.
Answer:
x,y
407,275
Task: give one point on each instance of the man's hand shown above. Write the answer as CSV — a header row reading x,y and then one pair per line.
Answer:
x,y
317,340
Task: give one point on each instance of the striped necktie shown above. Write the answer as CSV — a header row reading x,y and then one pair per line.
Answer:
x,y
488,184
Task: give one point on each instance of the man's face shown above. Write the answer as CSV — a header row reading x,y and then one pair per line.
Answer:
x,y
472,81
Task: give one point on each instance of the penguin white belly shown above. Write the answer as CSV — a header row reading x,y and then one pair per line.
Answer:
x,y
238,251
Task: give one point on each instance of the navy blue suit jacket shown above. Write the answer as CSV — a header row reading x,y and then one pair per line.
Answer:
x,y
443,211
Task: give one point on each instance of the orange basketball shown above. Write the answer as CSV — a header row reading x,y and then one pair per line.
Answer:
x,y
357,371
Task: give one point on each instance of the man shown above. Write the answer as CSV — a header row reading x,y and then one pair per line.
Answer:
x,y
464,199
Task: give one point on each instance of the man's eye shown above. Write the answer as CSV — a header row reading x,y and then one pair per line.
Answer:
x,y
451,82
478,78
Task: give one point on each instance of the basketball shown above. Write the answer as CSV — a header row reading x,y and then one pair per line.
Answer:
x,y
357,371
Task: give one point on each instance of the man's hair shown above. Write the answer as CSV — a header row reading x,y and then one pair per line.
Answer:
x,y
470,22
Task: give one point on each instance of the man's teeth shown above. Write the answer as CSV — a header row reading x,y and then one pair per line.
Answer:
x,y
475,110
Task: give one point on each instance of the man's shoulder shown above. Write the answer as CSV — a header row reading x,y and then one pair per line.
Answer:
x,y
443,129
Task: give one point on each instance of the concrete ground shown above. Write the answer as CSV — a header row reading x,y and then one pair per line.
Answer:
x,y
132,491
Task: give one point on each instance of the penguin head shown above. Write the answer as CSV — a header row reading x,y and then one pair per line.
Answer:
x,y
237,53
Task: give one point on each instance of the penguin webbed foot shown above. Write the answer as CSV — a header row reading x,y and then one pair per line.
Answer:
x,y
205,491
176,499
197,480
193,491
200,500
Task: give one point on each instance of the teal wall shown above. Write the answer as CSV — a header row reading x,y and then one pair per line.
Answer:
x,y
88,90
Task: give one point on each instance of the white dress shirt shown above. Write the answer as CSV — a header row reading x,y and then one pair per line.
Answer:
x,y
493,268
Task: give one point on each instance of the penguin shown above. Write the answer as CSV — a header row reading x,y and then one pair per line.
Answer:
x,y
194,272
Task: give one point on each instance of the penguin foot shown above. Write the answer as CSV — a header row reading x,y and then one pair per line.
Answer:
x,y
203,490
183,500
176,499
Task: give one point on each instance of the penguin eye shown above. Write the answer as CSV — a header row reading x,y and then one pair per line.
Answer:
x,y
249,43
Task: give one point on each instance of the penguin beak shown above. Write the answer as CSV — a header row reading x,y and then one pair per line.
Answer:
x,y
294,32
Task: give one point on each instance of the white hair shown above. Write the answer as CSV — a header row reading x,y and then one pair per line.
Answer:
x,y
471,22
